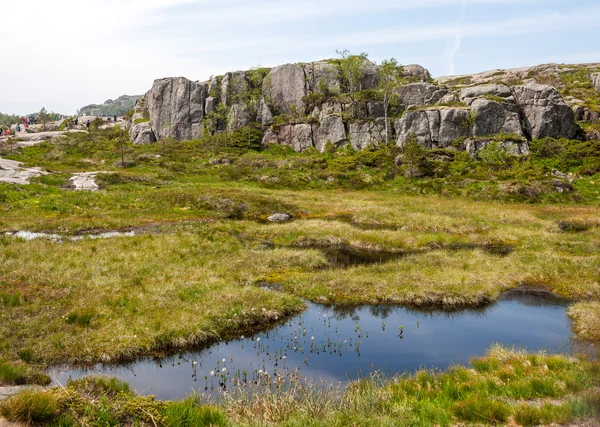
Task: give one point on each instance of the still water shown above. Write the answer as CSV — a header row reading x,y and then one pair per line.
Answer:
x,y
335,345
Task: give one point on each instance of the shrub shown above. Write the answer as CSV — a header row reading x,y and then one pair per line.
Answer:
x,y
11,373
494,155
31,407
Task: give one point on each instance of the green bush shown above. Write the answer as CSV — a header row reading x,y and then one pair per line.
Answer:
x,y
31,407
494,155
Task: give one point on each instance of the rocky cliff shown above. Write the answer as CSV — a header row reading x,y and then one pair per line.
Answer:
x,y
320,105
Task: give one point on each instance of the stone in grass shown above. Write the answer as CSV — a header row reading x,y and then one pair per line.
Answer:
x,y
279,217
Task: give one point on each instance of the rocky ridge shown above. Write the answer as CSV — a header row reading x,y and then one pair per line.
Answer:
x,y
307,105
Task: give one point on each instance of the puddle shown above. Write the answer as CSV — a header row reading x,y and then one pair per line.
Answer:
x,y
335,344
346,256
30,235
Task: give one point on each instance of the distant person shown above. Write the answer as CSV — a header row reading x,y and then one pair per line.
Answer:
x,y
87,124
115,118
76,121
17,129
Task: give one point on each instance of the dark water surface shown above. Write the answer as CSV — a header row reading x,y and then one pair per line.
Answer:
x,y
336,344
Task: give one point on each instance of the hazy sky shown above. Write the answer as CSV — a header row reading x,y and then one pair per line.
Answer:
x,y
63,54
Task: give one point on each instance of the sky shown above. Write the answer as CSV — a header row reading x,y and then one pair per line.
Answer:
x,y
64,54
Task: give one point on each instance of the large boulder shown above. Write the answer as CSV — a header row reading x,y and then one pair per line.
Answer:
x,y
238,117
176,107
142,133
370,75
420,94
322,73
545,112
493,117
285,87
433,128
232,86
416,72
596,81
299,137
362,135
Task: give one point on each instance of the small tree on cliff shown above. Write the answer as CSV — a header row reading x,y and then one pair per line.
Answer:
x,y
390,75
352,67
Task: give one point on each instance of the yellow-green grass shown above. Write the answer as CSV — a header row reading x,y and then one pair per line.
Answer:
x,y
108,300
506,387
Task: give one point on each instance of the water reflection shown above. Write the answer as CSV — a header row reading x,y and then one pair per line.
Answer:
x,y
335,344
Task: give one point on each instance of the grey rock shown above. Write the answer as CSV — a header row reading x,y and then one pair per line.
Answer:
x,y
375,110
493,117
84,181
330,129
233,84
279,217
12,172
584,114
452,126
238,117
142,133
435,128
176,107
329,108
416,71
270,137
370,75
545,112
317,72
285,87
470,94
420,94
357,110
516,148
213,87
299,137
264,115
449,98
559,174
362,135
210,104
596,81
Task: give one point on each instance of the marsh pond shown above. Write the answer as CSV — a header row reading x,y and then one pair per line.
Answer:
x,y
332,345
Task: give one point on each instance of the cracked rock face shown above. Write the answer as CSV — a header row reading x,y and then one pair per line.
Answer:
x,y
420,94
476,108
545,112
435,128
176,108
299,137
285,88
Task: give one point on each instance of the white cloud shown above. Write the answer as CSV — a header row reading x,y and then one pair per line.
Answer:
x,y
74,52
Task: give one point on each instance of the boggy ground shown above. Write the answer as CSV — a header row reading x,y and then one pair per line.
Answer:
x,y
193,273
